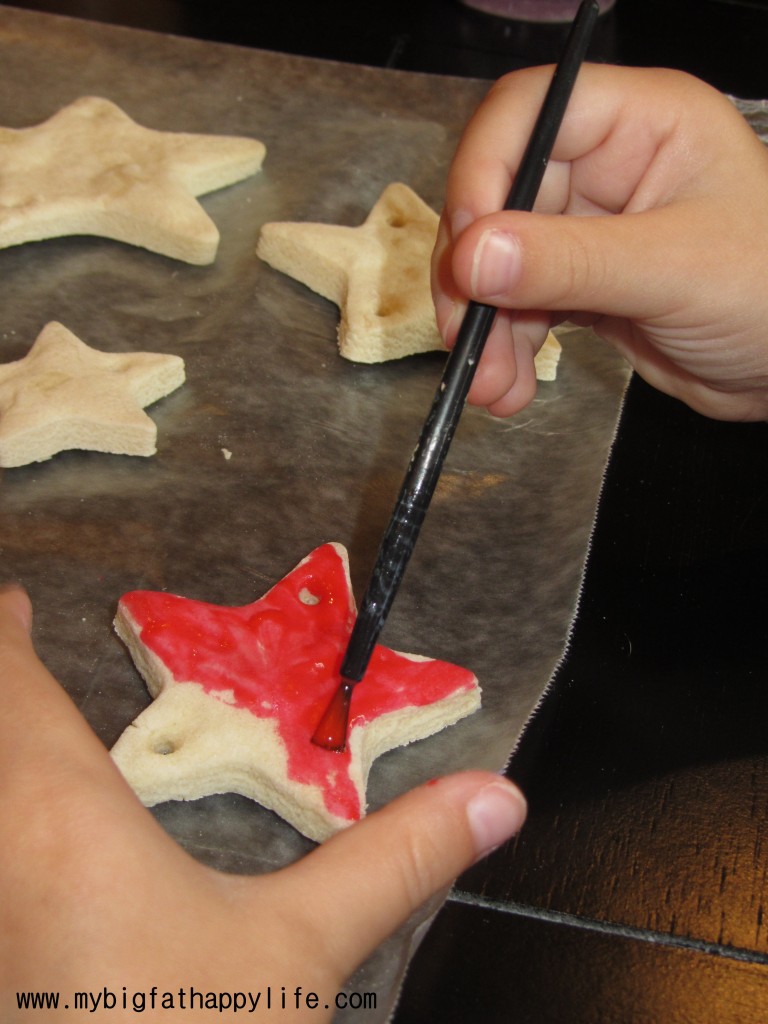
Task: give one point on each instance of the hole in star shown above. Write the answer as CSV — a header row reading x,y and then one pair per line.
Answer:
x,y
307,597
164,747
396,220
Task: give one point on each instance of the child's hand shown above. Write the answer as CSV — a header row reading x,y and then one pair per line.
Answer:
x,y
651,225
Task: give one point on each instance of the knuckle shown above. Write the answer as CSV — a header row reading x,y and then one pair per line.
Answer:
x,y
582,272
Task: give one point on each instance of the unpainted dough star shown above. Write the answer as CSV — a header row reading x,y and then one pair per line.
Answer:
x,y
91,170
64,394
378,274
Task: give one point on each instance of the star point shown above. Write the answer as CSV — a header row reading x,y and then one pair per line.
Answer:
x,y
238,692
91,170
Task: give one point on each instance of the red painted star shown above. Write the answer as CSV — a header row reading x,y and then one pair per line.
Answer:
x,y
238,693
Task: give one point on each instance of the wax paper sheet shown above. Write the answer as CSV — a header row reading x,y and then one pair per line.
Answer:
x,y
275,444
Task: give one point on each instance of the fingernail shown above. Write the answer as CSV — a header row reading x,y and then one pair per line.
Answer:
x,y
496,264
495,814
448,313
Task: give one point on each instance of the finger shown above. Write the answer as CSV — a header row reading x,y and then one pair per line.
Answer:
x,y
505,381
367,880
633,141
449,308
536,261
44,740
505,378
39,703
17,606
617,124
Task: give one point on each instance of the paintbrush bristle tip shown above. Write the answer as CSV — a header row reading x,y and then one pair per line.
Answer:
x,y
331,731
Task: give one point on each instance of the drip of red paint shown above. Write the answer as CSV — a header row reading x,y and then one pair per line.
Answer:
x,y
331,732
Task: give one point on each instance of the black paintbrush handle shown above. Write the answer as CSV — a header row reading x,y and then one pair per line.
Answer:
x,y
436,435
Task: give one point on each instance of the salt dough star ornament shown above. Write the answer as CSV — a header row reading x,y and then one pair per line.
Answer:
x,y
64,394
378,274
91,170
238,693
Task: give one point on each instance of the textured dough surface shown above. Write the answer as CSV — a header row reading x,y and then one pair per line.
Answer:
x,y
64,394
91,170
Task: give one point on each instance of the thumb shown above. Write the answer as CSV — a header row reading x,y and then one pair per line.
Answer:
x,y
15,612
368,879
629,265
45,728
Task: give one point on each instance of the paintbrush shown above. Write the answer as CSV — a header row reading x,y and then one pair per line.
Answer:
x,y
424,470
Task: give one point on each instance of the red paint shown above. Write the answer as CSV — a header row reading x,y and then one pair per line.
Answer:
x,y
281,657
332,729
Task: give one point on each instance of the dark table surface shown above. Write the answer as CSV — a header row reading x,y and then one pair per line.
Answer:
x,y
636,890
